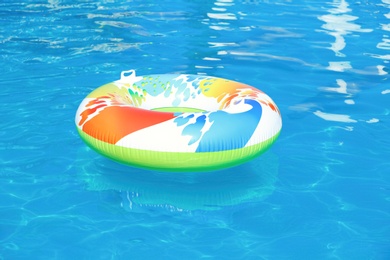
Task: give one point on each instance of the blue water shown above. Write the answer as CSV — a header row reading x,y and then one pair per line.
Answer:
x,y
321,192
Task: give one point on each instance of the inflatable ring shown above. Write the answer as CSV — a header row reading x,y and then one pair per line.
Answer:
x,y
178,122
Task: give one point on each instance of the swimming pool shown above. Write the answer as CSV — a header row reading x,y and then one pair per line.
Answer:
x,y
321,192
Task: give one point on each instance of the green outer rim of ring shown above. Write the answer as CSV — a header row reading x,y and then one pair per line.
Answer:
x,y
177,161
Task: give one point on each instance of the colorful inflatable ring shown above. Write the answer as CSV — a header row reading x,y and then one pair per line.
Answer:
x,y
178,122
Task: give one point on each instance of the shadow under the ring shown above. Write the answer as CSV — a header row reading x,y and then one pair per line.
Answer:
x,y
180,191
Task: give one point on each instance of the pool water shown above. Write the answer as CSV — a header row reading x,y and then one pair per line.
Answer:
x,y
321,192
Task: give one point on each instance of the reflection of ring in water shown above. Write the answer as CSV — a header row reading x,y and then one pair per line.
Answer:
x,y
252,181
